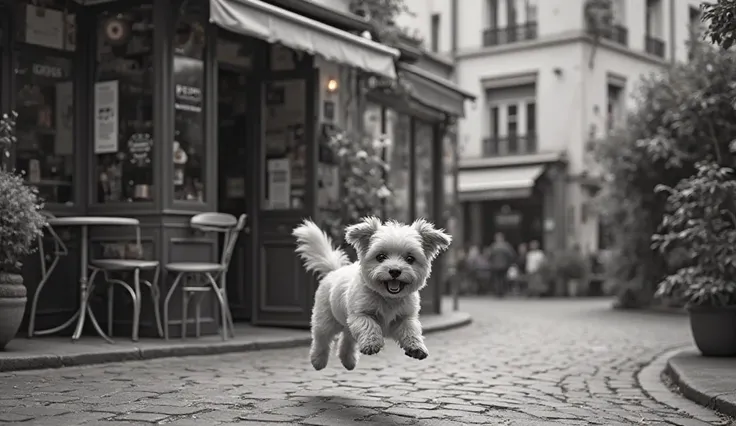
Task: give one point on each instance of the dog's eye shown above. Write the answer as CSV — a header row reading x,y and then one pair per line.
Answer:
x,y
410,259
381,257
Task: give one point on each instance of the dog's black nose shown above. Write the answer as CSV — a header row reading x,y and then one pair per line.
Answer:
x,y
394,273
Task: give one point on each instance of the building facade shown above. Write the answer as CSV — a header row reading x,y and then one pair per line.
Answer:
x,y
546,87
160,110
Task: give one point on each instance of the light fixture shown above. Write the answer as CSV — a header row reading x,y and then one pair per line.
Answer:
x,y
332,85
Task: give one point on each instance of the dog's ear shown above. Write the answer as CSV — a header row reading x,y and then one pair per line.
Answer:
x,y
359,235
434,241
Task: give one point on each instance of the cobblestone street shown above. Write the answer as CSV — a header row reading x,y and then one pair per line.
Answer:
x,y
522,362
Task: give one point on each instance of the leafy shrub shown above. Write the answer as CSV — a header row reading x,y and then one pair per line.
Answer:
x,y
21,221
362,174
700,219
684,115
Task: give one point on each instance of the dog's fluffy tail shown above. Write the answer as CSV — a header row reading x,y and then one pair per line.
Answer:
x,y
316,250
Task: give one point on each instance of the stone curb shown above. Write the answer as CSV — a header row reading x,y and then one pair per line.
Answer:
x,y
35,362
650,381
709,400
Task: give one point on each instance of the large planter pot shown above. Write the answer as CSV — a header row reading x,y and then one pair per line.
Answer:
x,y
12,306
714,329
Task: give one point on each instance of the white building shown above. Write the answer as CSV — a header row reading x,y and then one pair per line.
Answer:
x,y
544,87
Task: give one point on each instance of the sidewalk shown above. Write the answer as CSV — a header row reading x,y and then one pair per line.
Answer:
x,y
55,352
708,381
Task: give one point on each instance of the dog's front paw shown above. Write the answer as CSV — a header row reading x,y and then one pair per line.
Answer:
x,y
370,345
417,351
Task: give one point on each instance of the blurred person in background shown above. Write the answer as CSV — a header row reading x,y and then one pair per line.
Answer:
x,y
500,256
535,258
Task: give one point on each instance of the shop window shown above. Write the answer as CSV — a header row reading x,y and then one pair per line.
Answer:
x,y
123,135
44,100
188,146
423,139
44,97
399,133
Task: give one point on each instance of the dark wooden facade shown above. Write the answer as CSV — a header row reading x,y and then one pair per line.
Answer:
x,y
267,284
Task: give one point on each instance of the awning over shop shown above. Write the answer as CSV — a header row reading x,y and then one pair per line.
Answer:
x,y
498,184
435,91
275,25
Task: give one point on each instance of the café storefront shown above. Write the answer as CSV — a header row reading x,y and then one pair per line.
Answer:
x,y
160,110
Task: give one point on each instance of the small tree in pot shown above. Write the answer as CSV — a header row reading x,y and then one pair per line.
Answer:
x,y
700,220
21,223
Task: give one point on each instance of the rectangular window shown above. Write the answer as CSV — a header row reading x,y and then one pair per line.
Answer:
x,y
531,118
44,100
531,10
613,113
435,32
492,13
512,124
512,128
188,145
695,29
531,127
510,13
495,128
123,100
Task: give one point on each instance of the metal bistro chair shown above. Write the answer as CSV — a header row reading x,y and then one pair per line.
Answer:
x,y
203,277
110,267
58,252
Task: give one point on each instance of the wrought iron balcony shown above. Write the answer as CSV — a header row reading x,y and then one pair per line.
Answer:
x,y
616,33
514,34
654,46
509,145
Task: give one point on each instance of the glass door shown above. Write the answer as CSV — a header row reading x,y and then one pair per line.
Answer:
x,y
235,119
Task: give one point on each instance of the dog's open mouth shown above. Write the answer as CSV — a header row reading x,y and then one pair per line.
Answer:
x,y
394,286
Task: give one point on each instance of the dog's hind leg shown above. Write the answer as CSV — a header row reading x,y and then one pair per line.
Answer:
x,y
324,331
348,350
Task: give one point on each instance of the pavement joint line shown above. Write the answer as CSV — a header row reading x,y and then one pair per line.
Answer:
x,y
649,378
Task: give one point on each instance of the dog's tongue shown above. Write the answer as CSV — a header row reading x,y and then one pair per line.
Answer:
x,y
394,285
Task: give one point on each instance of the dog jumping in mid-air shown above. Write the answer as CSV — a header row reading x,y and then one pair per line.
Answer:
x,y
375,297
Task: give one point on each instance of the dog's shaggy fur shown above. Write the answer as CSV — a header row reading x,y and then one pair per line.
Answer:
x,y
374,297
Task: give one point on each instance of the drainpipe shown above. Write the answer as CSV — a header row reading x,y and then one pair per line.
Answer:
x,y
453,29
673,32
457,210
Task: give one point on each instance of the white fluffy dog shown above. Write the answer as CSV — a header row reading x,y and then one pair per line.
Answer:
x,y
374,297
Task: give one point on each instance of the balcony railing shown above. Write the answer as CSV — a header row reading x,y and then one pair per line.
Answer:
x,y
509,145
517,33
654,46
617,34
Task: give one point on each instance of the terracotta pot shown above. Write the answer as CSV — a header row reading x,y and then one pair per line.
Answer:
x,y
12,306
714,330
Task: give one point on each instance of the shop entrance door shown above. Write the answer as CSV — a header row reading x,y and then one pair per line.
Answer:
x,y
287,163
236,137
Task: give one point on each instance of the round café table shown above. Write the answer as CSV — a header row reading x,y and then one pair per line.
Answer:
x,y
84,222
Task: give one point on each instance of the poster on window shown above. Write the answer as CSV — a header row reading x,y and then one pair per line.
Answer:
x,y
64,119
279,184
189,80
106,117
45,27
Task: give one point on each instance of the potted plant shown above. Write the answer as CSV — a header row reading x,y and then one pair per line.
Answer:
x,y
700,221
21,223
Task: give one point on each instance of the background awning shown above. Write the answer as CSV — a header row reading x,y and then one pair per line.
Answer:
x,y
275,25
435,91
497,184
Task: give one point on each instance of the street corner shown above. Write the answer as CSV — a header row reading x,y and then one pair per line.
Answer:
x,y
708,381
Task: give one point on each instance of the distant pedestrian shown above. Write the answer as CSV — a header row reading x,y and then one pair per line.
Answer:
x,y
535,259
500,256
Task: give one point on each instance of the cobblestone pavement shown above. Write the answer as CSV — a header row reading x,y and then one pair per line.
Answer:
x,y
522,362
